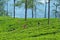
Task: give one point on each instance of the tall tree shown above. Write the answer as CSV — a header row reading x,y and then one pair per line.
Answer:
x,y
57,4
55,11
45,9
14,8
7,6
25,10
48,11
32,8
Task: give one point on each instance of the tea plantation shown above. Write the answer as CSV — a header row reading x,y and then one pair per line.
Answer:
x,y
32,29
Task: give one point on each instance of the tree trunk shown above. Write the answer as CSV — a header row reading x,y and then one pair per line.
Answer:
x,y
32,9
25,10
56,13
14,8
7,7
45,9
48,11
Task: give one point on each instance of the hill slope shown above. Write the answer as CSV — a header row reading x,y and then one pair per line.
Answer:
x,y
32,29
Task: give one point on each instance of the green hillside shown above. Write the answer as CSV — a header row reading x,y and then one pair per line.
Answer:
x,y
32,29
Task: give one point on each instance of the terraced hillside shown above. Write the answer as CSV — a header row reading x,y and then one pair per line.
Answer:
x,y
32,29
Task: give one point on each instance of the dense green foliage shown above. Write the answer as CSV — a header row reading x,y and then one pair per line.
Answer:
x,y
18,29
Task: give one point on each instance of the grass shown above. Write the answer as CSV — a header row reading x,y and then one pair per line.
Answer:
x,y
18,29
